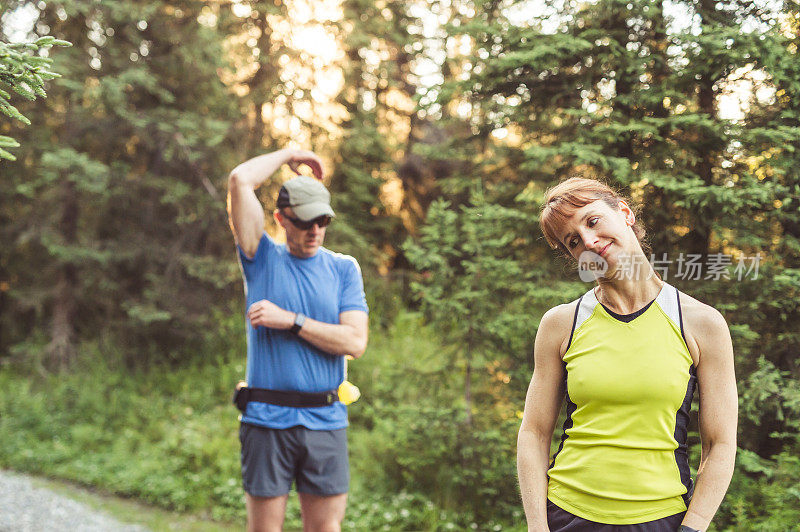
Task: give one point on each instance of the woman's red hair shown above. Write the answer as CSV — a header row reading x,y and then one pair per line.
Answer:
x,y
562,200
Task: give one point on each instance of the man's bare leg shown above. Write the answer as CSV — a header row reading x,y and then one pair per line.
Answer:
x,y
322,514
265,514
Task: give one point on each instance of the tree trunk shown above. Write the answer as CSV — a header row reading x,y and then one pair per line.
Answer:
x,y
468,388
61,350
625,80
698,239
264,76
4,286
658,213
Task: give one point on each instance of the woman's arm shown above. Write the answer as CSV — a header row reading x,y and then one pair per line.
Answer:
x,y
718,411
542,403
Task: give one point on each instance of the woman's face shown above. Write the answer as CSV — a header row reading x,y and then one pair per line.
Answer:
x,y
601,229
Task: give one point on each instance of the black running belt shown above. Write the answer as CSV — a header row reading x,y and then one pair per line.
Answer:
x,y
244,395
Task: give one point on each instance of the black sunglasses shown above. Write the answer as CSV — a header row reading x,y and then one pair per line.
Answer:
x,y
321,221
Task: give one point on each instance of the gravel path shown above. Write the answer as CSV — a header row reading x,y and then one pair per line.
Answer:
x,y
24,507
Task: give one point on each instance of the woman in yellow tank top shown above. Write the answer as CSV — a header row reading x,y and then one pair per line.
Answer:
x,y
626,357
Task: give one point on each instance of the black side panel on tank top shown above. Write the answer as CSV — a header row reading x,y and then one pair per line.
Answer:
x,y
682,422
681,435
571,407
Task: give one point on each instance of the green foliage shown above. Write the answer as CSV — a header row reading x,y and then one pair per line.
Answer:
x,y
410,431
24,73
114,224
616,92
120,203
763,495
469,467
179,426
182,434
473,281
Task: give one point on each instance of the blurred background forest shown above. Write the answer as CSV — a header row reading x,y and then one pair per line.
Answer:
x,y
441,123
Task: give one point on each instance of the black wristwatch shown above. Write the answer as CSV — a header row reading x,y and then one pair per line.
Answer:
x,y
684,528
299,320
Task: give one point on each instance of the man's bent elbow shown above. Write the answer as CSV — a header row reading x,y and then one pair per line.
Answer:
x,y
237,181
233,179
359,350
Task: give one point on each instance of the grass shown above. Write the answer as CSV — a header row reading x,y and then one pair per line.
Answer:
x,y
166,436
134,512
161,443
158,445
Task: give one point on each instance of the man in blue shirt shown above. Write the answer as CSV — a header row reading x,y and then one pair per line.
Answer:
x,y
305,312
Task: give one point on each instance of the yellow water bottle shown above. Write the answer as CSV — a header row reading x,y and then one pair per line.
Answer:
x,y
348,392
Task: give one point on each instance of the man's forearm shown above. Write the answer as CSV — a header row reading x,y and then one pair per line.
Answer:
x,y
712,483
253,172
346,338
532,456
334,338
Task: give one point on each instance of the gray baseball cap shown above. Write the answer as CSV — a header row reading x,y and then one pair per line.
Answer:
x,y
307,197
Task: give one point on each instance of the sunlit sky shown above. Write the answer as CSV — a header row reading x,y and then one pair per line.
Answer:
x,y
308,33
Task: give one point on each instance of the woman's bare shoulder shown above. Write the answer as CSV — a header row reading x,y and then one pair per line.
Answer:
x,y
560,315
556,325
704,327
698,314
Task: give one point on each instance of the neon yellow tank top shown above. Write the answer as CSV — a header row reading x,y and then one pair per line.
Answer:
x,y
623,458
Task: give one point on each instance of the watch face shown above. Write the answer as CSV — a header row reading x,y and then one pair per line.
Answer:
x,y
299,320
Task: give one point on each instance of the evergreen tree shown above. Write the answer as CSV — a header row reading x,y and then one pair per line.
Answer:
x,y
475,292
254,45
616,93
767,307
376,97
119,210
24,74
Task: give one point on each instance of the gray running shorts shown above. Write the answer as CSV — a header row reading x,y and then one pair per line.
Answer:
x,y
274,458
560,520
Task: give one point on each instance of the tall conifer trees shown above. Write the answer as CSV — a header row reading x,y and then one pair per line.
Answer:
x,y
446,120
633,94
119,204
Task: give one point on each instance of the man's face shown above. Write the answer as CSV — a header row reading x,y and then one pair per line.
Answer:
x,y
301,243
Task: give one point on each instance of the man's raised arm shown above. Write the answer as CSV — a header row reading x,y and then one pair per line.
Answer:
x,y
245,213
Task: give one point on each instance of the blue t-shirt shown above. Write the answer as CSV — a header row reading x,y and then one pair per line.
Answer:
x,y
321,287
